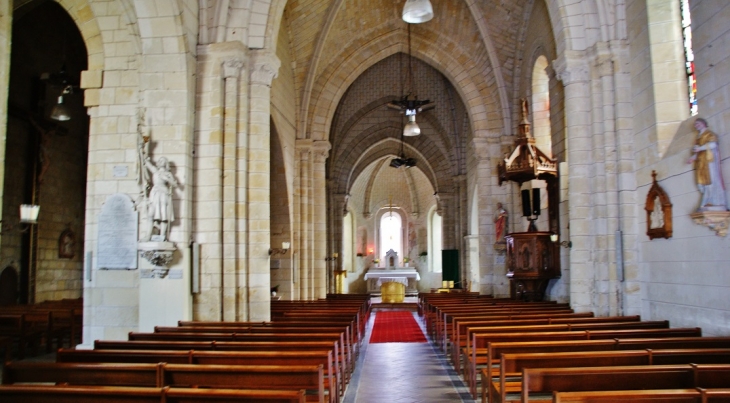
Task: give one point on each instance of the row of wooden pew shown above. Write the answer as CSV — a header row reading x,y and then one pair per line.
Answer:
x,y
543,351
305,353
24,327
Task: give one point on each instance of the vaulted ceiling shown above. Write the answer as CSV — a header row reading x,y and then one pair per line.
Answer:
x,y
348,63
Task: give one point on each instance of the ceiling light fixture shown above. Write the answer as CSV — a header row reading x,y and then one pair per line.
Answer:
x,y
417,11
410,107
60,111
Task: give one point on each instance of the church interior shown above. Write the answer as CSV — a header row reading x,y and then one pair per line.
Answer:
x,y
215,160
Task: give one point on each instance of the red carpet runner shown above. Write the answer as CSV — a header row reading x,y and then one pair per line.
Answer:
x,y
396,327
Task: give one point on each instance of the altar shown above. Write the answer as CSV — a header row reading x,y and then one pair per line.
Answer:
x,y
407,277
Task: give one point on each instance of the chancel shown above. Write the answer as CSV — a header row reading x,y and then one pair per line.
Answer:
x,y
392,272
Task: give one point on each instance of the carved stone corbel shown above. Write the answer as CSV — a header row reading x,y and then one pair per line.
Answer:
x,y
717,221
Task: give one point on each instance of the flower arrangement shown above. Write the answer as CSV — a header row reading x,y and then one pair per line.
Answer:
x,y
376,261
406,259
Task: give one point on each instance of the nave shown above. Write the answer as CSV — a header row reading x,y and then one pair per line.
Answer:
x,y
404,372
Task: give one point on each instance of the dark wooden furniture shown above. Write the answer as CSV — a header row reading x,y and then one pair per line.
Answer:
x,y
532,261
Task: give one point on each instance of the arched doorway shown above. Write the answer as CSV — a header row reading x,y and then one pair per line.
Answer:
x,y
46,158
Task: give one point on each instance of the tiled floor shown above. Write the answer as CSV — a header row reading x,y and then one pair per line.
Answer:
x,y
404,372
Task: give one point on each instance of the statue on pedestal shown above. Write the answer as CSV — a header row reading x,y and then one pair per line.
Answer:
x,y
156,186
708,173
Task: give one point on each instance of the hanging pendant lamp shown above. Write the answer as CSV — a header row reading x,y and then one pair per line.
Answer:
x,y
417,11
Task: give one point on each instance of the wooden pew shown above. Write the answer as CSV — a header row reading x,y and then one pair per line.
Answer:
x,y
322,357
349,343
439,321
634,396
511,365
296,377
338,338
477,351
112,394
461,328
459,324
230,346
538,384
55,320
717,395
598,330
21,330
497,349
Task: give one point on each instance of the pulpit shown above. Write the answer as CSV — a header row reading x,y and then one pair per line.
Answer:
x,y
532,261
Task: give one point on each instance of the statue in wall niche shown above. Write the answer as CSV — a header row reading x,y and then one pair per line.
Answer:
x,y
157,194
708,173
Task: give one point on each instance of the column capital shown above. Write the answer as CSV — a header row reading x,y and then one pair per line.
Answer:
x,y
320,150
232,67
603,59
571,68
264,67
303,148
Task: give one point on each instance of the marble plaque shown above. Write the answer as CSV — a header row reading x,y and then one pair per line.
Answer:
x,y
117,236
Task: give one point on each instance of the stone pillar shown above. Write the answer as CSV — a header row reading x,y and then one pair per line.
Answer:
x,y
573,72
303,223
255,251
460,223
6,29
320,150
337,209
231,71
471,254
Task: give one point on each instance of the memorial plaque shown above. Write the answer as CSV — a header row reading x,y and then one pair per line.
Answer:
x,y
175,274
117,236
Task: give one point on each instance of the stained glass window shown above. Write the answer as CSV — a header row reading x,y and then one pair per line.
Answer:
x,y
689,56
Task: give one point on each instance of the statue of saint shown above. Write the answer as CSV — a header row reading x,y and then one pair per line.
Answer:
x,y
157,194
708,173
500,223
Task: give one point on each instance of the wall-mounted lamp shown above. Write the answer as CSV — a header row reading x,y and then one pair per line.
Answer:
x,y
28,217
282,251
60,111
333,258
565,244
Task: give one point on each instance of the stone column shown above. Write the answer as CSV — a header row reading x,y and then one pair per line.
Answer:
x,y
6,29
303,209
231,71
573,72
255,250
337,209
320,151
446,210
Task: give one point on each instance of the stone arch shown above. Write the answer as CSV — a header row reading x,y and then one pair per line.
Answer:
x,y
335,79
385,149
83,15
568,19
245,21
338,170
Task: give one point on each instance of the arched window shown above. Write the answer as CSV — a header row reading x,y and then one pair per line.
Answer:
x,y
391,228
689,56
541,105
434,240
